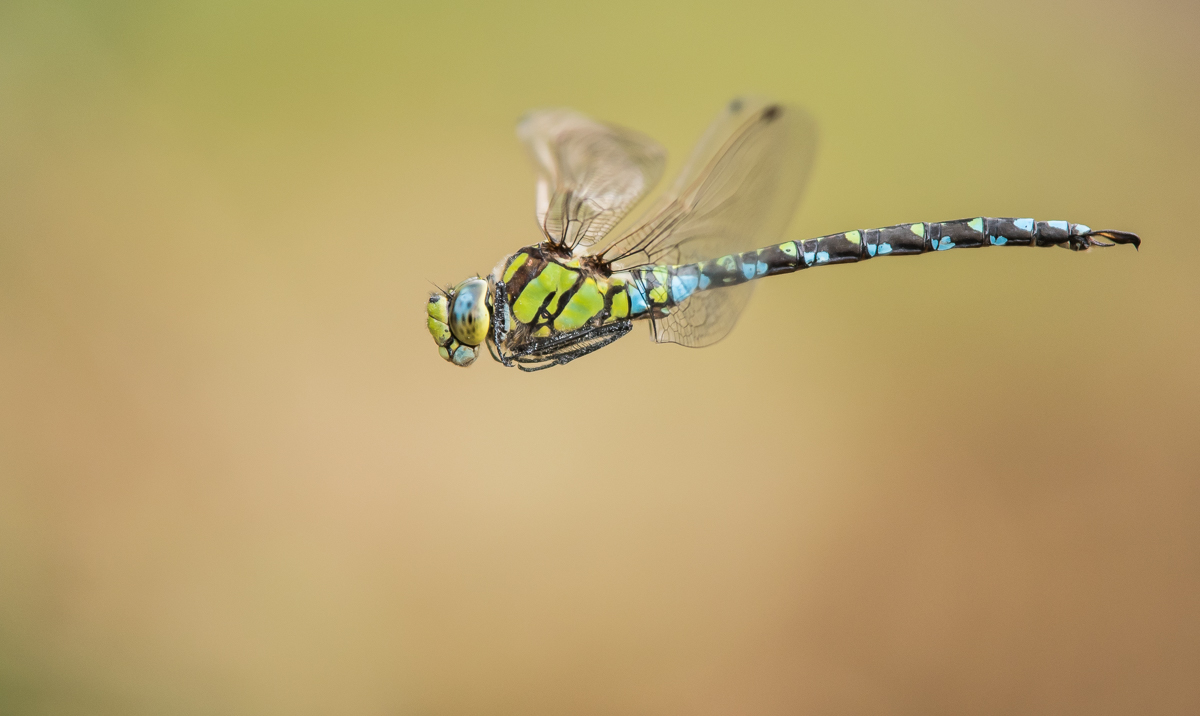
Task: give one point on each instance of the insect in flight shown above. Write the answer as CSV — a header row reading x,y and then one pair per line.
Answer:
x,y
686,267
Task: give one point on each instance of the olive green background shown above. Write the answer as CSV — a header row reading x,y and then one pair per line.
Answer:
x,y
236,478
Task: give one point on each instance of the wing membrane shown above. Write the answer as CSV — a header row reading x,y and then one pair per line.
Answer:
x,y
590,174
737,192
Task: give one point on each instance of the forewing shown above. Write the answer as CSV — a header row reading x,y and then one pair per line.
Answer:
x,y
737,192
590,174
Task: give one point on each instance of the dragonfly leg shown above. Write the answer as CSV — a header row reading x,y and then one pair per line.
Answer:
x,y
566,347
540,363
500,314
497,355
499,326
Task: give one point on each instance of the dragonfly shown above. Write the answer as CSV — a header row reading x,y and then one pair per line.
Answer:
x,y
687,266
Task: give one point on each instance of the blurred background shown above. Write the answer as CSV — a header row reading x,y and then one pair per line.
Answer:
x,y
236,478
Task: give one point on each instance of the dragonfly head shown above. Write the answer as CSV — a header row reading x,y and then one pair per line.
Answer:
x,y
459,320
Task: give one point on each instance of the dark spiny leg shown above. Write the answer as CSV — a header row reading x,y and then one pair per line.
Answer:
x,y
564,358
543,365
496,355
549,347
499,325
543,346
500,313
562,349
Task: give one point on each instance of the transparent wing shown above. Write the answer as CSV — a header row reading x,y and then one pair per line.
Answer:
x,y
737,192
704,318
590,174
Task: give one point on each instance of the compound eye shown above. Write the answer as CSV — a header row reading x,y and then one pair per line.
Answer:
x,y
469,314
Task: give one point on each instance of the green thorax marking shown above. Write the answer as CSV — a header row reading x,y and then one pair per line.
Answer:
x,y
516,263
586,302
552,279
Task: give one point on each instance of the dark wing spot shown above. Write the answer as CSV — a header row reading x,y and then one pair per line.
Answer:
x,y
772,113
736,105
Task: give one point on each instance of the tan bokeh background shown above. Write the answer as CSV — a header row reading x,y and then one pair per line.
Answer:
x,y
235,477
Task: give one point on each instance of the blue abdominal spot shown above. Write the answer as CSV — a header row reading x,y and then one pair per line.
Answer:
x,y
682,287
637,300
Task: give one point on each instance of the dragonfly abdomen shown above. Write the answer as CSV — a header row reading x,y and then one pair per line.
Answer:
x,y
667,286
